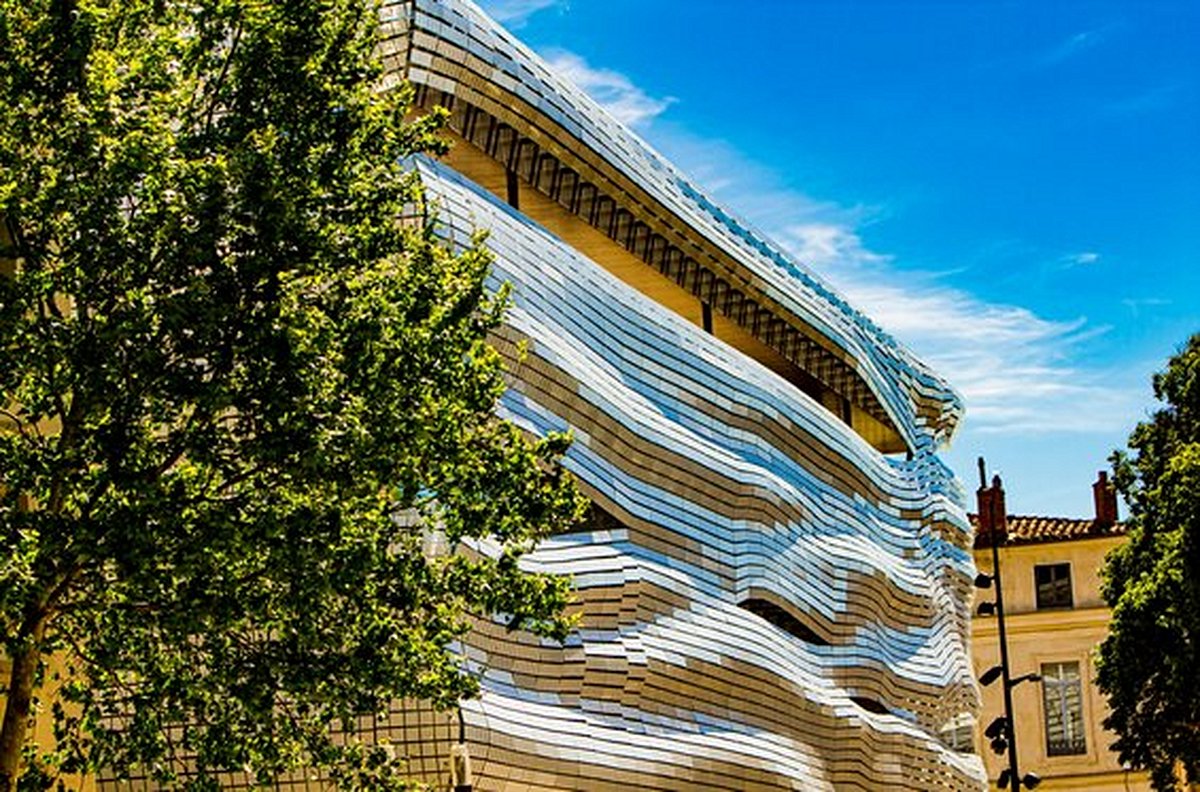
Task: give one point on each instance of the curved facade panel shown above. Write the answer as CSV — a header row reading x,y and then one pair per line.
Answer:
x,y
772,597
767,600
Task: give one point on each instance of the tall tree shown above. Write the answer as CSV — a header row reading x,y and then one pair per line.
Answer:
x,y
236,394
1149,662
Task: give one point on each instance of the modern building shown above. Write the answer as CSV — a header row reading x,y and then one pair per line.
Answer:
x,y
1054,618
775,578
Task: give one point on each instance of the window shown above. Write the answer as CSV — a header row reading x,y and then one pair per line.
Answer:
x,y
783,620
1062,695
1053,585
958,733
870,704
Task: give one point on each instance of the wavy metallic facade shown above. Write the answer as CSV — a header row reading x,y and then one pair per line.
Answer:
x,y
774,579
775,576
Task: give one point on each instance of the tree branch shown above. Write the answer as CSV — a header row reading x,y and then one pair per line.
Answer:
x,y
220,81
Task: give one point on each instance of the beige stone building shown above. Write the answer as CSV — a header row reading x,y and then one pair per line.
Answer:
x,y
1055,617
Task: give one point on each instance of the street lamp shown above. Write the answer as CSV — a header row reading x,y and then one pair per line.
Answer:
x,y
990,675
993,519
1029,780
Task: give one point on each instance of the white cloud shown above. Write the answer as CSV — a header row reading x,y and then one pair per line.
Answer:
x,y
615,92
1082,259
513,14
828,246
749,189
1071,46
1137,304
1036,56
1019,373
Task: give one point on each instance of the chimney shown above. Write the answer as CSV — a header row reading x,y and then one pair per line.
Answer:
x,y
993,515
999,511
1104,494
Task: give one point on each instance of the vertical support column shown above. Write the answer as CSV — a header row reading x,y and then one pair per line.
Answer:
x,y
512,188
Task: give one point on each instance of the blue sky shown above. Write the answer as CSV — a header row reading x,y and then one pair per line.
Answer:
x,y
1009,187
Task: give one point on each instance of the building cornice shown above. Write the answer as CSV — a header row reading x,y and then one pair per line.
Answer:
x,y
1041,622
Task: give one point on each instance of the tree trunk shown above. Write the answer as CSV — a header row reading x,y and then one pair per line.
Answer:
x,y
14,730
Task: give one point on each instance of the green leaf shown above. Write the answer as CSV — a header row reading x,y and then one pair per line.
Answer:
x,y
228,368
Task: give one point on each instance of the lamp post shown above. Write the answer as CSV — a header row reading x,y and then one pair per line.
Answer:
x,y
1001,732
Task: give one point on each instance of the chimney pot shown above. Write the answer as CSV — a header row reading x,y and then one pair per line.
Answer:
x,y
1104,495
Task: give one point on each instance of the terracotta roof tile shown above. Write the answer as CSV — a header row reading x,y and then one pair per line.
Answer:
x,y
1032,529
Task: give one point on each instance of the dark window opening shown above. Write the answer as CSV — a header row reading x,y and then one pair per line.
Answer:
x,y
870,705
512,188
1053,585
783,620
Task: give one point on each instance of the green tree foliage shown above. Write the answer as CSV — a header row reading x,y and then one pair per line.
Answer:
x,y
234,388
1149,665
